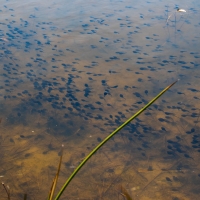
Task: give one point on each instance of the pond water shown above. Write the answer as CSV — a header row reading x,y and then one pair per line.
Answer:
x,y
72,72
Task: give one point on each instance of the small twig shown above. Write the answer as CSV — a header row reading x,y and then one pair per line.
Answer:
x,y
77,131
7,190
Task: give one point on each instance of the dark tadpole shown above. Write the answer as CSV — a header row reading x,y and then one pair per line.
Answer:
x,y
126,87
105,93
98,102
116,86
137,94
180,93
193,90
109,105
103,82
87,92
122,96
161,119
168,179
139,102
191,131
187,156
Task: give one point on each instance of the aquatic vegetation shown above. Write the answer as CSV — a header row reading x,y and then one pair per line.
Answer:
x,y
54,183
74,81
105,140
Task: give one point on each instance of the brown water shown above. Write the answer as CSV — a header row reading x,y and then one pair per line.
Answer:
x,y
71,72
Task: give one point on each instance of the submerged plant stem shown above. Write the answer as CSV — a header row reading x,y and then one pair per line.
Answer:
x,y
7,190
54,183
108,137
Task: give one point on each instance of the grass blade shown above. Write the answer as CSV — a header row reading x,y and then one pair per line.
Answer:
x,y
54,183
108,137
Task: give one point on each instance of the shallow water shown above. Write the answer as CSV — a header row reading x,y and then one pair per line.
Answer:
x,y
72,72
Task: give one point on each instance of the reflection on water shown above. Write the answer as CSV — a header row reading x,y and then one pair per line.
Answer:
x,y
72,72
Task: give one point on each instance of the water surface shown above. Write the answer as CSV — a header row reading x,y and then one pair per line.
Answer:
x,y
71,72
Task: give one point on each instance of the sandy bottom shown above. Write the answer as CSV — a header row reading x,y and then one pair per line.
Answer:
x,y
72,73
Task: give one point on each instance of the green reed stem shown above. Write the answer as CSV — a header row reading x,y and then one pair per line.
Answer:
x,y
107,138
